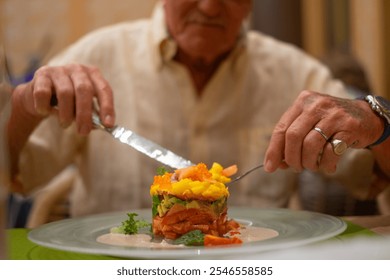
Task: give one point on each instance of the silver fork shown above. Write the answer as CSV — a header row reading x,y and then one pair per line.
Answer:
x,y
246,173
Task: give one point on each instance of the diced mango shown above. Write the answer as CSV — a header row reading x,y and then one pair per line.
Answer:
x,y
195,181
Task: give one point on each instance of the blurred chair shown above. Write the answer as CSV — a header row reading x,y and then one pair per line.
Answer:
x,y
345,67
51,203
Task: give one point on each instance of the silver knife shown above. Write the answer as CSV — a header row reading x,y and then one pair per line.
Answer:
x,y
143,145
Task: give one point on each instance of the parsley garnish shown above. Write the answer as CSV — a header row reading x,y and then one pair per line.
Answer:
x,y
131,225
161,170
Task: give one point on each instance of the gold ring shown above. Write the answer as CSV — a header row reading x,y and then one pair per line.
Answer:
x,y
339,146
322,133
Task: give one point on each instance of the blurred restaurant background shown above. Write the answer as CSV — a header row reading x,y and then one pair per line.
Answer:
x,y
34,30
350,36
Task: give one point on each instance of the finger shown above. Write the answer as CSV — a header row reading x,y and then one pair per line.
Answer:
x,y
105,98
329,159
295,136
84,93
65,97
277,149
42,88
334,151
274,154
312,150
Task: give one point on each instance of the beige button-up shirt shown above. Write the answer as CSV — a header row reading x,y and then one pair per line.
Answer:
x,y
231,123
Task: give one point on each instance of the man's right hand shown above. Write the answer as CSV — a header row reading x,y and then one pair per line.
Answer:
x,y
74,87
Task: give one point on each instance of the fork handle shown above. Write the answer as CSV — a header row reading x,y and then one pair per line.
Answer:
x,y
246,173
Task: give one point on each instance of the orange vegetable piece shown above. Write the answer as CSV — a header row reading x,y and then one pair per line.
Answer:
x,y
197,172
212,240
230,171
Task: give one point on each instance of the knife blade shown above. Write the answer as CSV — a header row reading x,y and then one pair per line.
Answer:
x,y
143,145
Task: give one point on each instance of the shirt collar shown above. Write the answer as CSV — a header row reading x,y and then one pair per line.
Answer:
x,y
163,47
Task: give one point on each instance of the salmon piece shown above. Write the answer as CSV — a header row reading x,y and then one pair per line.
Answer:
x,y
175,208
202,218
178,216
232,224
173,225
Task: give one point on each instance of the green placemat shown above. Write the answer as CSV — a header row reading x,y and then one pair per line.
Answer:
x,y
355,231
21,248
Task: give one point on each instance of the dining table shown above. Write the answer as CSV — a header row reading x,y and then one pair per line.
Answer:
x,y
19,247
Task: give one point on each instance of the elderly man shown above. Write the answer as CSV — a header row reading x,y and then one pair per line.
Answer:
x,y
194,80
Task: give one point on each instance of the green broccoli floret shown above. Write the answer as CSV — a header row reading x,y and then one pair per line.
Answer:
x,y
192,238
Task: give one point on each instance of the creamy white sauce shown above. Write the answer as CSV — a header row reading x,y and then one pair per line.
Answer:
x,y
252,234
246,234
135,240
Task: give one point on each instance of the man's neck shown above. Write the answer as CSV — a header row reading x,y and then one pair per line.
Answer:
x,y
201,70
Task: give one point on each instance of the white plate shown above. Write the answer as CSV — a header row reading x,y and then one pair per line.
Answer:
x,y
295,228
